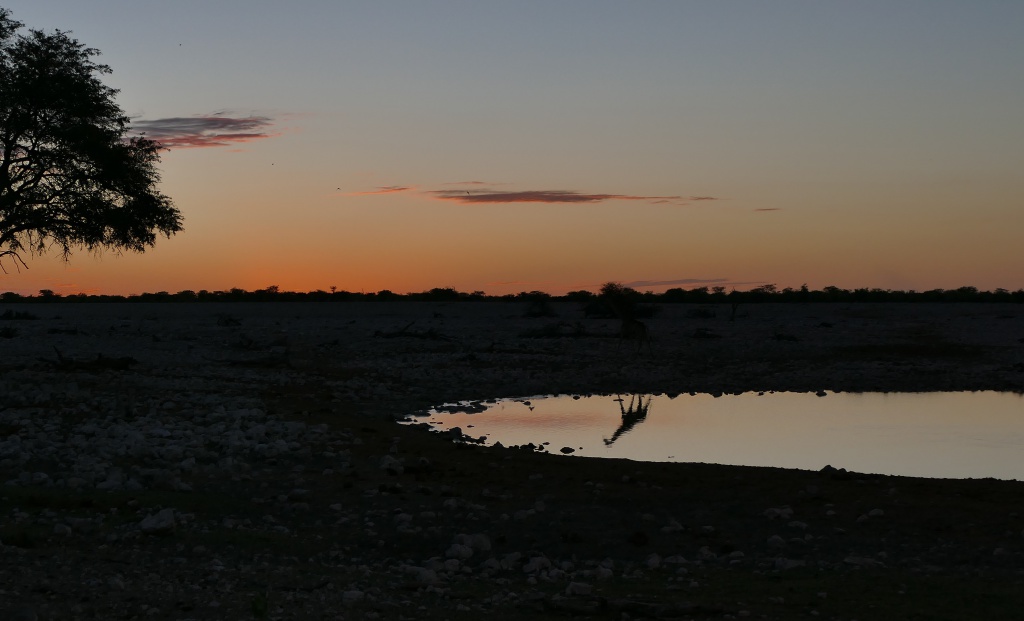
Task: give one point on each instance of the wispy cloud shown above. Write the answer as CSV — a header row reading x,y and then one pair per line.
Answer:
x,y
541,196
482,192
678,281
214,130
385,189
636,284
518,283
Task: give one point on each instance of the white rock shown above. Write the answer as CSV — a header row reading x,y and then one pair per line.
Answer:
x,y
459,551
578,588
778,512
390,463
479,542
861,561
351,597
705,554
161,522
536,564
786,563
672,527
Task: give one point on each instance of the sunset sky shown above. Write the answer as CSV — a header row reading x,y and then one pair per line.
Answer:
x,y
556,145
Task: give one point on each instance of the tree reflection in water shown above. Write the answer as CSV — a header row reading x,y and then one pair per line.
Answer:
x,y
631,416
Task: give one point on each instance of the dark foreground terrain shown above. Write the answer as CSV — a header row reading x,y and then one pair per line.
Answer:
x,y
201,461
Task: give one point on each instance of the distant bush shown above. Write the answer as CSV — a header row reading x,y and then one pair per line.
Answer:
x,y
613,300
538,304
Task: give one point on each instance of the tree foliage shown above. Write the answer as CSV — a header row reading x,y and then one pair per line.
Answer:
x,y
71,176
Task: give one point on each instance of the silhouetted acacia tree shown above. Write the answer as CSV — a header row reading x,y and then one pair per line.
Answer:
x,y
70,175
620,299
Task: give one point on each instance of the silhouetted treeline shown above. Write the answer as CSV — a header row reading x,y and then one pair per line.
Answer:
x,y
538,300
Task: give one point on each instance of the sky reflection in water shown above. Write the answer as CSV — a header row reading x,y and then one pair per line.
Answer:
x,y
942,435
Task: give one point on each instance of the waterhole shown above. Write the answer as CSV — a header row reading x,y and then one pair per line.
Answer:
x,y
932,434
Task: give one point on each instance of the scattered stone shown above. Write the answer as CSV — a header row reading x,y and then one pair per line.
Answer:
x,y
536,564
861,561
351,597
477,542
672,527
579,588
704,554
778,513
160,523
459,551
183,418
784,564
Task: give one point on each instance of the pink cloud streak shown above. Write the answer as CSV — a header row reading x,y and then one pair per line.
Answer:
x,y
195,132
387,189
540,196
481,196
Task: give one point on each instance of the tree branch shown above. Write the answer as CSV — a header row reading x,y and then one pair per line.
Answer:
x,y
16,259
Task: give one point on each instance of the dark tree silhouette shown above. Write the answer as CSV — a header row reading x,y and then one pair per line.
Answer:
x,y
70,175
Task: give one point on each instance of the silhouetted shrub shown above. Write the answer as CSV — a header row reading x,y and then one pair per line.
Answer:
x,y
538,304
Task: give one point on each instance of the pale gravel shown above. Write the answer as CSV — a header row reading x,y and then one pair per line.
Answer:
x,y
192,407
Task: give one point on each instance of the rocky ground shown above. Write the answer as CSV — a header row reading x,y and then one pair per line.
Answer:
x,y
202,461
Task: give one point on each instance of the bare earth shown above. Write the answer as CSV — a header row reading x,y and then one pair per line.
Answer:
x,y
241,461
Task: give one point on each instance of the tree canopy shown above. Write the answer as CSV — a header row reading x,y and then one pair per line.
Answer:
x,y
71,175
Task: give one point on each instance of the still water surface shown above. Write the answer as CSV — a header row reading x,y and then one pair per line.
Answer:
x,y
935,434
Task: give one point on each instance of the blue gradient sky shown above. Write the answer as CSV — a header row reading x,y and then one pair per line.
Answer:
x,y
856,144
